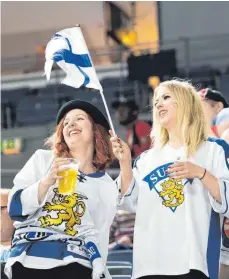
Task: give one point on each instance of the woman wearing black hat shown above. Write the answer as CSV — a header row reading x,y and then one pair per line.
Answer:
x,y
67,235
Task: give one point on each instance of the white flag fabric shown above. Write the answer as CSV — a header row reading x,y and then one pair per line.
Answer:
x,y
69,50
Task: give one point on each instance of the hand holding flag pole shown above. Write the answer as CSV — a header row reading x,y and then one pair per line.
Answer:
x,y
69,50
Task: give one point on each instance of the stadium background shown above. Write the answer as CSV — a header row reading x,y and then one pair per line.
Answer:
x,y
194,34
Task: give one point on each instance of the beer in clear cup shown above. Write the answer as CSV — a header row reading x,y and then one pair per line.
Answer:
x,y
67,184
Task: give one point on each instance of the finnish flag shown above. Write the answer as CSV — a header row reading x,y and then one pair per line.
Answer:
x,y
69,50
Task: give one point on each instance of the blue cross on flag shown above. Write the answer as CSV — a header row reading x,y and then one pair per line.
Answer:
x,y
69,50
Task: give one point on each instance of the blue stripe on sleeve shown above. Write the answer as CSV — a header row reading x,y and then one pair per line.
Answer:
x,y
225,196
130,191
15,208
92,250
135,161
139,157
214,241
225,147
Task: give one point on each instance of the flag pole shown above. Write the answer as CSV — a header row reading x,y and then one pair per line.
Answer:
x,y
109,118
108,113
105,103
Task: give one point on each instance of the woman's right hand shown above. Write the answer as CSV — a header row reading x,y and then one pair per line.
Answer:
x,y
120,149
51,178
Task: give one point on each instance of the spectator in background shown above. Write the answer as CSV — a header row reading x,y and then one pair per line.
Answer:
x,y
222,124
6,225
122,231
213,103
222,128
138,132
217,116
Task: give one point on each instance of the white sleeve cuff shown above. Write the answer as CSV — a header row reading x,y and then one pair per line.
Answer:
x,y
127,193
224,257
29,199
222,207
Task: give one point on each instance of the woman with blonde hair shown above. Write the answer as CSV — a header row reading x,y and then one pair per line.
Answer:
x,y
65,234
176,188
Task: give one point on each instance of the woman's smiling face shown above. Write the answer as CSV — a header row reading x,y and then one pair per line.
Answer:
x,y
166,107
77,128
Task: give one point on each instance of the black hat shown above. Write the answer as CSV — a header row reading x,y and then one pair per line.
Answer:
x,y
213,95
125,100
93,111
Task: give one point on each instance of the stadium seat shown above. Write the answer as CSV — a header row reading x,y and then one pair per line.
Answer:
x,y
119,268
48,90
116,84
13,95
47,109
204,71
34,110
115,263
121,277
112,82
25,111
9,102
124,255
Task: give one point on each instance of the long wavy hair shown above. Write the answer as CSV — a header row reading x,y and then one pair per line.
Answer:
x,y
103,155
190,116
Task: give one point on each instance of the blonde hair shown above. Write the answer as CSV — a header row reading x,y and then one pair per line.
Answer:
x,y
190,116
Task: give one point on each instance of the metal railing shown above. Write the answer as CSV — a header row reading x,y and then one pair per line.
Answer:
x,y
190,52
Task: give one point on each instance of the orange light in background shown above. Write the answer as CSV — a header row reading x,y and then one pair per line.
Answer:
x,y
154,81
127,37
40,50
146,25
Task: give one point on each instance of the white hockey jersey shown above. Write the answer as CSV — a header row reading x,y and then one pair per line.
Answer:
x,y
64,225
176,229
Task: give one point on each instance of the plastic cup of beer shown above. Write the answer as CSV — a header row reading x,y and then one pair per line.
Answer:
x,y
67,184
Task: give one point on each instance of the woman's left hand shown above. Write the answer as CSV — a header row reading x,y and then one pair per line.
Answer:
x,y
98,268
186,170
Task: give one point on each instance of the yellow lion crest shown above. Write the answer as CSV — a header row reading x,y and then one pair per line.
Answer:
x,y
172,189
65,205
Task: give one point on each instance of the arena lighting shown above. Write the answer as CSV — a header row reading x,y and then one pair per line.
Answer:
x,y
113,35
154,81
127,37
